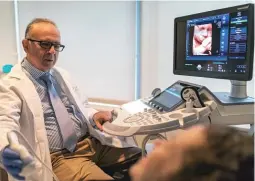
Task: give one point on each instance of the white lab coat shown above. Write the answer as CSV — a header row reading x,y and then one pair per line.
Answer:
x,y
21,109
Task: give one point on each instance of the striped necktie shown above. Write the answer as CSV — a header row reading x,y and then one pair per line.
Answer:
x,y
64,121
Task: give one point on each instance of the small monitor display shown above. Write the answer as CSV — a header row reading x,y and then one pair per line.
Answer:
x,y
170,98
217,44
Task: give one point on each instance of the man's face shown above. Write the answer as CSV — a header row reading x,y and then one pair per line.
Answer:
x,y
167,157
41,58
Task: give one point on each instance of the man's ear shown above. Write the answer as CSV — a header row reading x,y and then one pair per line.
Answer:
x,y
25,45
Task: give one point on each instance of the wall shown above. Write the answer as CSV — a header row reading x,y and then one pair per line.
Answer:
x,y
7,34
100,36
100,43
157,44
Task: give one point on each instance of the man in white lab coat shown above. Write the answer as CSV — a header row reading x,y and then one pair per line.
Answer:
x,y
43,104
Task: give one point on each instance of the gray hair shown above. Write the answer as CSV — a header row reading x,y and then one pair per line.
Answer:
x,y
37,21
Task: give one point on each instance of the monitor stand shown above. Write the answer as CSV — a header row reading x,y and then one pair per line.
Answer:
x,y
237,95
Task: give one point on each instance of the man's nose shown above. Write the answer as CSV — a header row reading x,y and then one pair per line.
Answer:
x,y
52,50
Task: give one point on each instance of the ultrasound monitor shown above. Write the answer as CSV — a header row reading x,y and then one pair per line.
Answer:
x,y
216,44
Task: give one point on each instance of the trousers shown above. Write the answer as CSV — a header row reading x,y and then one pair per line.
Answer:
x,y
89,160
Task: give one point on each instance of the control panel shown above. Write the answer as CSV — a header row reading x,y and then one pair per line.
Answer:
x,y
170,99
151,121
179,106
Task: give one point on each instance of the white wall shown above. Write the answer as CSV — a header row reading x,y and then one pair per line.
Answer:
x,y
99,39
157,44
7,34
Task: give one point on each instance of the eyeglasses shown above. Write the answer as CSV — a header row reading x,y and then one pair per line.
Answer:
x,y
47,45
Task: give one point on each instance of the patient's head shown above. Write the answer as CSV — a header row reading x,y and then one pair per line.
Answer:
x,y
199,154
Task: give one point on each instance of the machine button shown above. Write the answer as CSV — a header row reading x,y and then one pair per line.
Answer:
x,y
154,116
149,121
154,113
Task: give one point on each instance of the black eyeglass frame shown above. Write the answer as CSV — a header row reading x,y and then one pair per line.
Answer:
x,y
51,44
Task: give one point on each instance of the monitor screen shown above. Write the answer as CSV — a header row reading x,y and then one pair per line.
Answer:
x,y
169,98
216,44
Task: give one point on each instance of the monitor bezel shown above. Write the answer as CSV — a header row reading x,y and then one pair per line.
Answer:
x,y
247,76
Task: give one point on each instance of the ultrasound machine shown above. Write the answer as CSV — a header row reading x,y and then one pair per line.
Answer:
x,y
215,44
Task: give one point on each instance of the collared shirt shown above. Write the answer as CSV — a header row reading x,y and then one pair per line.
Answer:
x,y
51,123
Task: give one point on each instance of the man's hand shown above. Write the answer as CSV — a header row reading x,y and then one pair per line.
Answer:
x,y
12,163
101,117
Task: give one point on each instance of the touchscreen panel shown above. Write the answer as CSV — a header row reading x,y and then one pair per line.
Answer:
x,y
169,98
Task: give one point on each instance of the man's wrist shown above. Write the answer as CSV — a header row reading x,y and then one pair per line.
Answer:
x,y
92,121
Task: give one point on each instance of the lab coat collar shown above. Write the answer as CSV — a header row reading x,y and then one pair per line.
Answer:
x,y
18,73
33,71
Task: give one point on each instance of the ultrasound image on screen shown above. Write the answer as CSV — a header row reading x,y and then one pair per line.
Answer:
x,y
202,39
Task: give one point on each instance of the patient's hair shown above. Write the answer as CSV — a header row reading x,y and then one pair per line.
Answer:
x,y
36,21
228,156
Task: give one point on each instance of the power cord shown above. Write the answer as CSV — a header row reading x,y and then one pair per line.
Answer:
x,y
210,119
147,138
